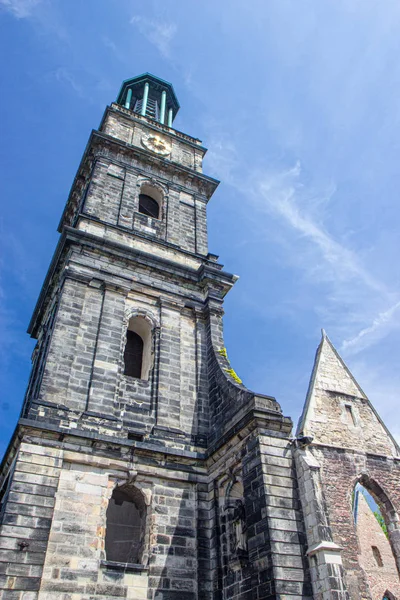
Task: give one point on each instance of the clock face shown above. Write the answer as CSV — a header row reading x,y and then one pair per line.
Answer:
x,y
156,144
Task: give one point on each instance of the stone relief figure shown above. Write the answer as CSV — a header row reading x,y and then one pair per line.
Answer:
x,y
239,527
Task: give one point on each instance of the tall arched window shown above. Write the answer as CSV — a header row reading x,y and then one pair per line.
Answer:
x,y
125,528
133,355
138,348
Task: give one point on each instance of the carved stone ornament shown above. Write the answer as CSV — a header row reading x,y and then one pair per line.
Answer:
x,y
156,143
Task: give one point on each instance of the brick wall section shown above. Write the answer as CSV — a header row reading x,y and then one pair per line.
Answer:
x,y
340,470
188,375
27,519
107,356
168,412
201,226
326,567
62,515
62,352
105,191
380,577
129,200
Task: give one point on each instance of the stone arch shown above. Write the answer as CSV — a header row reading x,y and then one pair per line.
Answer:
x,y
125,525
140,493
389,596
152,189
144,325
377,540
388,511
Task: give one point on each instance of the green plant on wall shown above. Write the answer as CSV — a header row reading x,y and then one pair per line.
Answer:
x,y
381,522
230,371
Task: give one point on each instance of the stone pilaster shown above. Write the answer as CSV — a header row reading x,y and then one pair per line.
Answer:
x,y
169,384
326,568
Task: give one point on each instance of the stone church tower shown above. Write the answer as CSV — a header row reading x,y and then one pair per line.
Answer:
x,y
141,467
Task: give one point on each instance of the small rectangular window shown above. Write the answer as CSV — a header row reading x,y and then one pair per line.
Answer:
x,y
377,556
350,415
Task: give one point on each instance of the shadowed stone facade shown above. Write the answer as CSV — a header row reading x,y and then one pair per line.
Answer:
x,y
230,505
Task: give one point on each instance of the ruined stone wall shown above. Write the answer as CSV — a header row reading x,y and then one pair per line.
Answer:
x,y
376,556
340,470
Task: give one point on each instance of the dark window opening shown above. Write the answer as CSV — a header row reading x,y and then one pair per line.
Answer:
x,y
148,206
133,355
377,556
350,415
126,515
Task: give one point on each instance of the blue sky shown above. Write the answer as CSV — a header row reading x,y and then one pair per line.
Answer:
x,y
298,102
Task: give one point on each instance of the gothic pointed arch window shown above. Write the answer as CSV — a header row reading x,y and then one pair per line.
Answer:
x,y
137,351
125,526
375,521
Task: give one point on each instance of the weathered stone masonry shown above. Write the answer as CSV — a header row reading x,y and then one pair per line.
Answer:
x,y
230,505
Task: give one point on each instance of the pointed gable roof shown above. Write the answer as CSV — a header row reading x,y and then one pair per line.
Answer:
x,y
332,387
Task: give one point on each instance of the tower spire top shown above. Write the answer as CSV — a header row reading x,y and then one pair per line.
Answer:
x,y
150,97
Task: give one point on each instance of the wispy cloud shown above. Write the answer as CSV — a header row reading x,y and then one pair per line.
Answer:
x,y
65,76
21,9
158,33
301,209
380,326
285,195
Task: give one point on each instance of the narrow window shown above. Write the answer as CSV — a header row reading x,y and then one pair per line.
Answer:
x,y
377,556
133,355
350,415
148,206
126,514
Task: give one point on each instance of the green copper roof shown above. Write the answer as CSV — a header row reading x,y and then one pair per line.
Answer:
x,y
156,84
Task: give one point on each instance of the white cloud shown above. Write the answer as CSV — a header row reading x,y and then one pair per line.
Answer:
x,y
21,9
158,33
64,76
380,326
354,294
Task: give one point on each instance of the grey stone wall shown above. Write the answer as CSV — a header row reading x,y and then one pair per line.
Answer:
x,y
27,520
183,437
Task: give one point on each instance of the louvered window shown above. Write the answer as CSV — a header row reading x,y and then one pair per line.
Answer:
x,y
133,355
138,106
152,109
148,206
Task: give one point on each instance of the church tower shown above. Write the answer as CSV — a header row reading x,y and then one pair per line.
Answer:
x,y
141,466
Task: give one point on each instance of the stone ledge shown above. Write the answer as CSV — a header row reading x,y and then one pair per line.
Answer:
x,y
120,566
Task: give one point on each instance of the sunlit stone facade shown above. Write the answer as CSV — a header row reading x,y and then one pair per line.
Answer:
x,y
179,483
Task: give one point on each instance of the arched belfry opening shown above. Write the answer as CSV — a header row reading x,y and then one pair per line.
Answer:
x,y
150,201
138,348
376,525
125,526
